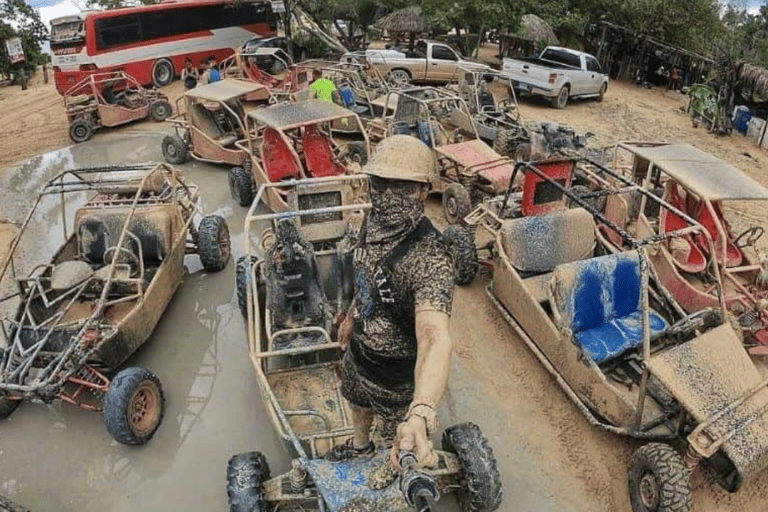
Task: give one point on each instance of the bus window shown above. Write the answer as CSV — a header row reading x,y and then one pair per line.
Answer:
x,y
118,30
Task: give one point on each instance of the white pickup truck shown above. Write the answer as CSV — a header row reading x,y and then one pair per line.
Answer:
x,y
430,61
558,73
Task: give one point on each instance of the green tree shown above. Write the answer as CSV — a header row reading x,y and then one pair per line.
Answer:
x,y
19,19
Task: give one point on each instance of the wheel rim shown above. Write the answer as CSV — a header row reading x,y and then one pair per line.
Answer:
x,y
563,96
170,149
81,131
224,244
161,110
144,409
451,206
162,72
649,491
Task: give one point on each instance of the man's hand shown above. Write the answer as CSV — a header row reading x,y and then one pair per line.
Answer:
x,y
346,327
412,437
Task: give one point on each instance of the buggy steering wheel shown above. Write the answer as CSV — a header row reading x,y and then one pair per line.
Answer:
x,y
133,260
752,235
689,323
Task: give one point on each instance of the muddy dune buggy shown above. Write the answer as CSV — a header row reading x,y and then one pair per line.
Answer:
x,y
290,294
71,320
111,99
631,358
295,141
497,123
211,121
469,169
704,188
270,67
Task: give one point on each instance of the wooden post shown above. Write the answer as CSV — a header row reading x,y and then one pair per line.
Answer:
x,y
45,72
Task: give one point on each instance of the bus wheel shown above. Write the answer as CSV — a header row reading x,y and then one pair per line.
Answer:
x,y
162,72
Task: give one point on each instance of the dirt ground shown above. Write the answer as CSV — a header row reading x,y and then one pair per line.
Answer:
x,y
553,431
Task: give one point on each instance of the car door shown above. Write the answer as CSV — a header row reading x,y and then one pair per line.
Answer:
x,y
594,76
442,63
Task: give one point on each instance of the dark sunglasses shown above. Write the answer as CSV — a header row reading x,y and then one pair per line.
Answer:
x,y
396,186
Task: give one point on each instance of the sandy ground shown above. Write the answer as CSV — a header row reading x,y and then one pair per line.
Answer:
x,y
551,459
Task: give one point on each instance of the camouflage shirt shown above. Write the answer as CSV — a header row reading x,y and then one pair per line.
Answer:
x,y
388,296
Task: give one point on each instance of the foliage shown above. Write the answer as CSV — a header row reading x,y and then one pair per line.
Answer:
x,y
314,47
19,19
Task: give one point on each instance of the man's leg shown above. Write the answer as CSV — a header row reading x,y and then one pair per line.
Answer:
x,y
362,419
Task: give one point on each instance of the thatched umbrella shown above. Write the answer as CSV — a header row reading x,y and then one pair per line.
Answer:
x,y
754,80
408,20
535,29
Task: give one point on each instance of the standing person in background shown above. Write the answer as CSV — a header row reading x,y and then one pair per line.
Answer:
x,y
323,88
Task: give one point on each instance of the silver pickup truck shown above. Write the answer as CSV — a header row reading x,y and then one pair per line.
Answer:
x,y
430,61
558,73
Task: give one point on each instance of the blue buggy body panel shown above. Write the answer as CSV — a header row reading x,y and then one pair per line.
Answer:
x,y
345,484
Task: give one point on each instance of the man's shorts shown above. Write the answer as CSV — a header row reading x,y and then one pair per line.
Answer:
x,y
390,405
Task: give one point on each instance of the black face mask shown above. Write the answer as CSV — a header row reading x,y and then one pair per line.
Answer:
x,y
394,214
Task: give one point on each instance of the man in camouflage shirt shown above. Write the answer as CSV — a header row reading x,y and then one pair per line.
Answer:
x,y
396,331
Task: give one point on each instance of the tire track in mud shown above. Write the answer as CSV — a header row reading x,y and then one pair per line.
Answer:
x,y
503,360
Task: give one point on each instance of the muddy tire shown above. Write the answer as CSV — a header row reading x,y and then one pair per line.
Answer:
x,y
245,474
561,100
162,72
462,249
658,480
80,130
243,282
601,94
357,154
456,203
7,406
174,149
523,152
480,480
213,244
134,406
241,186
503,141
160,110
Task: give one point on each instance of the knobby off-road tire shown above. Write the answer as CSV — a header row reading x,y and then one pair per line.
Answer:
x,y
174,149
561,100
160,110
462,249
80,130
7,406
134,406
456,203
241,186
658,480
502,142
213,244
243,282
480,480
245,474
162,72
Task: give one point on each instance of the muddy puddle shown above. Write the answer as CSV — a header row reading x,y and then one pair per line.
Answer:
x,y
60,458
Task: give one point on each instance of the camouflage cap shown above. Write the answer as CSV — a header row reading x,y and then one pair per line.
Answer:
x,y
402,157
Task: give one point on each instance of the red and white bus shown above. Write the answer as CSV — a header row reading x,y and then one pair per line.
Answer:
x,y
150,42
